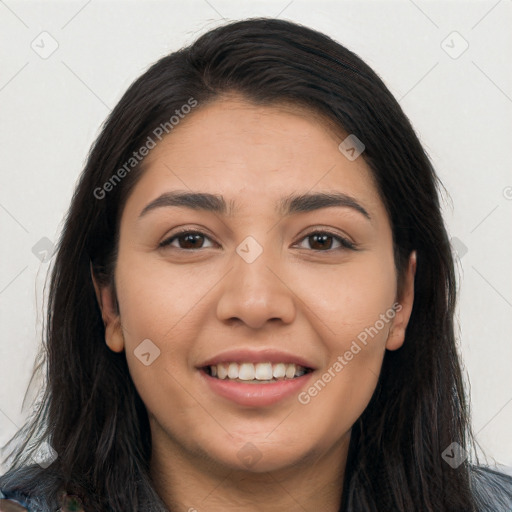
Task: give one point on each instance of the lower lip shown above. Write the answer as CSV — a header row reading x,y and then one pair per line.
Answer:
x,y
256,395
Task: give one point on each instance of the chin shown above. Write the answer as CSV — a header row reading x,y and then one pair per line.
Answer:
x,y
254,458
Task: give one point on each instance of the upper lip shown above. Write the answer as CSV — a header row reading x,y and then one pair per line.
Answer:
x,y
256,356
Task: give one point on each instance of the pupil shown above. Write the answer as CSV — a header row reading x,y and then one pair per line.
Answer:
x,y
191,239
323,243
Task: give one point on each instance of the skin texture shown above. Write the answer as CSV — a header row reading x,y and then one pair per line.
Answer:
x,y
297,297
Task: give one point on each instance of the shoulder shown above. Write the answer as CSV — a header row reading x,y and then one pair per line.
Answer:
x,y
29,488
492,488
15,501
34,489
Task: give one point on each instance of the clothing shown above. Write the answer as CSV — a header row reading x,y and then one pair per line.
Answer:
x,y
492,489
14,501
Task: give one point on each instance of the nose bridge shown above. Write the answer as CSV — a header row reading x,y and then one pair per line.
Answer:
x,y
253,291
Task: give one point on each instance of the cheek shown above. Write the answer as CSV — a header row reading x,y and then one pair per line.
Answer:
x,y
349,298
343,388
357,314
158,300
163,304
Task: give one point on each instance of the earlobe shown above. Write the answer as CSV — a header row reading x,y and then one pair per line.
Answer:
x,y
114,335
403,311
113,330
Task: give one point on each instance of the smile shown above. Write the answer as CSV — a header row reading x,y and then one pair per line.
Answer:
x,y
256,373
255,392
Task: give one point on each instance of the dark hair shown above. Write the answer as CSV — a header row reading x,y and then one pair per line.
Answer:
x,y
91,413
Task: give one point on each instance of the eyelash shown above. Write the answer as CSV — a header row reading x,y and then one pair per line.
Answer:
x,y
344,242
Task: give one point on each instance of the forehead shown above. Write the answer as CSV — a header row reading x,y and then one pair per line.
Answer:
x,y
253,154
281,130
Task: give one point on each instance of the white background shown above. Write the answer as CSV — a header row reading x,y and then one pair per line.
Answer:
x,y
51,110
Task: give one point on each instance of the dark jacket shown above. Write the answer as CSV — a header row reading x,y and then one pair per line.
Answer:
x,y
492,490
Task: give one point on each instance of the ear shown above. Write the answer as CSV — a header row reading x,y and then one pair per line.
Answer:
x,y
113,332
403,311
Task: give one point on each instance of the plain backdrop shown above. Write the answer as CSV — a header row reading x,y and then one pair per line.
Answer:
x,y
64,65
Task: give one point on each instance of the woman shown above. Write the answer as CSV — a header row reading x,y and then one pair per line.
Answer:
x,y
252,301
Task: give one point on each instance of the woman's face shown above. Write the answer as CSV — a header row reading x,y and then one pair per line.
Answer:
x,y
264,279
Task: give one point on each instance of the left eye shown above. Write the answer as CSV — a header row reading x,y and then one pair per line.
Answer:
x,y
323,241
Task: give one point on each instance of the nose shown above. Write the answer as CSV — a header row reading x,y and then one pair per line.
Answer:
x,y
257,292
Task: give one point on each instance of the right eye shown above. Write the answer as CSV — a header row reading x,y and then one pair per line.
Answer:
x,y
186,240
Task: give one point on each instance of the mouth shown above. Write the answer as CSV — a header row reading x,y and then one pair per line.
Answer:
x,y
255,385
255,378
255,373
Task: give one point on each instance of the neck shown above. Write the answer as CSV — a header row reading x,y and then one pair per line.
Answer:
x,y
190,483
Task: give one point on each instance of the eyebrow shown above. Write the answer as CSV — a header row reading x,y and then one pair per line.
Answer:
x,y
289,205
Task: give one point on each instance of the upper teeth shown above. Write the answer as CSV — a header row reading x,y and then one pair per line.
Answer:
x,y
259,371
